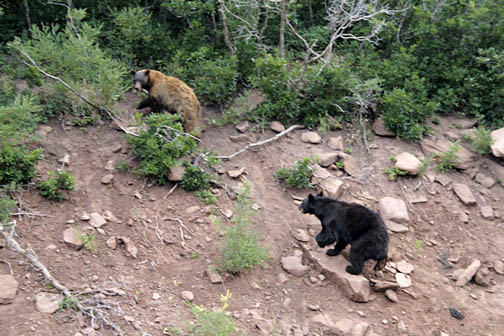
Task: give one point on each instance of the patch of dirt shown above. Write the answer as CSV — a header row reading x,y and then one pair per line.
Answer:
x,y
169,263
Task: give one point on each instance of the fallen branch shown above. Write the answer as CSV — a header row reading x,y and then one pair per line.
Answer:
x,y
96,313
260,143
170,192
181,225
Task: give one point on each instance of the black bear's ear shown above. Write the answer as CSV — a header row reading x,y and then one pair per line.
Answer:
x,y
147,72
320,194
132,72
310,197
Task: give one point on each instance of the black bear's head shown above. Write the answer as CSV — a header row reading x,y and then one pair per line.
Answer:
x,y
141,79
308,205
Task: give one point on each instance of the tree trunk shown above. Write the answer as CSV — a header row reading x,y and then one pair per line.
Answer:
x,y
225,29
27,13
283,19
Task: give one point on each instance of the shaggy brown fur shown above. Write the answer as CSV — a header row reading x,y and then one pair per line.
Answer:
x,y
169,94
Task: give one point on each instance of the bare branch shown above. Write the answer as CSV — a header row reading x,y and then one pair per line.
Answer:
x,y
260,143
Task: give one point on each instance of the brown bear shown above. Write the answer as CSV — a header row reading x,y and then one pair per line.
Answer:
x,y
169,94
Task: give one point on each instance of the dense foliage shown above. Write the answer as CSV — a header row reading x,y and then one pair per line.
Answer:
x,y
403,60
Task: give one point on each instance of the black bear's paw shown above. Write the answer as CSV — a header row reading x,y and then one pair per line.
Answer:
x,y
353,270
333,252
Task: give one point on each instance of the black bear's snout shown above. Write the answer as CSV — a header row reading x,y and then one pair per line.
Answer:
x,y
321,242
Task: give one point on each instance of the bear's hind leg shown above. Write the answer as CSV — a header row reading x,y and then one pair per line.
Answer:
x,y
357,259
340,246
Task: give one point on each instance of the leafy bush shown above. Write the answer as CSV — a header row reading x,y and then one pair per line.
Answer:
x,y
206,196
298,176
54,186
213,322
447,160
74,56
393,172
17,164
6,205
213,77
240,248
160,146
194,178
481,140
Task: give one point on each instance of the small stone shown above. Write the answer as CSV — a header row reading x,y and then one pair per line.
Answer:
x,y
336,143
277,127
107,179
483,277
314,307
97,220
301,235
192,210
112,243
156,296
65,159
71,237
408,162
228,213
110,166
8,288
443,180
468,273
85,217
311,137
235,173
48,303
282,278
327,159
456,314
391,295
396,228
484,180
487,212
380,129
243,126
498,267
403,280
187,296
294,264
464,193
394,210
405,267
176,173
464,218
213,275
130,247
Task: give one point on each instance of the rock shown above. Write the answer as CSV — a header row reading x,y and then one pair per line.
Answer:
x,y
46,129
106,179
483,277
48,303
130,247
408,162
414,199
403,280
235,173
351,164
213,275
457,274
498,267
239,138
8,288
360,329
277,127
443,180
327,159
243,126
345,327
192,210
465,157
487,212
405,267
71,237
156,296
187,296
65,159
176,174
391,295
484,180
393,209
382,286
282,278
326,182
311,137
97,220
452,136
228,213
109,216
468,273
464,218
396,228
111,243
336,143
294,264
110,166
497,146
356,287
263,325
401,327
380,129
464,193
301,235
85,217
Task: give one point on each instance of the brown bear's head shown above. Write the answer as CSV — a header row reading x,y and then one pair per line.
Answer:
x,y
141,79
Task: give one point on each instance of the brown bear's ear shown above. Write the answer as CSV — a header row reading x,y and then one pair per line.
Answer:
x,y
147,72
133,72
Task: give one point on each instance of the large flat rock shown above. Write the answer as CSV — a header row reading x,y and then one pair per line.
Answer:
x,y
356,287
434,147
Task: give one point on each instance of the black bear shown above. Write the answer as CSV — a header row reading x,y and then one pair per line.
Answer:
x,y
349,223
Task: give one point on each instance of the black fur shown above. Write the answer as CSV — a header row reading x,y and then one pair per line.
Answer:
x,y
349,223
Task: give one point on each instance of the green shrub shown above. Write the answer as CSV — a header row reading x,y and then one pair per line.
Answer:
x,y
481,140
447,160
298,176
393,172
18,118
54,186
194,178
88,240
213,322
17,165
6,205
206,196
160,146
240,248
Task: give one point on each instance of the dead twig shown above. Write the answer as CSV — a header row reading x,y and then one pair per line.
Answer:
x,y
171,191
8,264
181,226
260,143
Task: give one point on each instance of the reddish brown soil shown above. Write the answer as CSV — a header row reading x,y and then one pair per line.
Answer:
x,y
169,265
